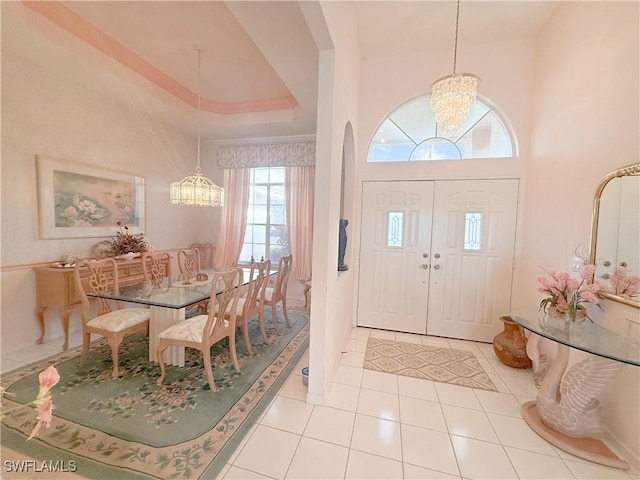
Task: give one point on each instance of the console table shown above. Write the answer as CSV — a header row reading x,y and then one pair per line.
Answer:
x,y
566,411
56,290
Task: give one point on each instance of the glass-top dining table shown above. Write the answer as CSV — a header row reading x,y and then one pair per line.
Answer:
x,y
168,303
566,411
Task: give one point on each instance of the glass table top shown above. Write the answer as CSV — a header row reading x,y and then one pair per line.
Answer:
x,y
174,294
586,335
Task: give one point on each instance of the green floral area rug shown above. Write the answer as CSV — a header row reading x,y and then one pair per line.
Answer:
x,y
132,428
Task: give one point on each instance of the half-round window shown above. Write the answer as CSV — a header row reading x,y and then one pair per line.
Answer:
x,y
410,133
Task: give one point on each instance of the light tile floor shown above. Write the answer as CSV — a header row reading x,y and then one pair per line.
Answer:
x,y
382,426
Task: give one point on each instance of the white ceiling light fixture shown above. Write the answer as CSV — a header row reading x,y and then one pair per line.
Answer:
x,y
453,95
197,190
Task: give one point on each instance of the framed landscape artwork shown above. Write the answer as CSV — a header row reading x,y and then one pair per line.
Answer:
x,y
78,200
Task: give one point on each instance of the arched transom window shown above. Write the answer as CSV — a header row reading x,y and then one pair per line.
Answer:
x,y
410,133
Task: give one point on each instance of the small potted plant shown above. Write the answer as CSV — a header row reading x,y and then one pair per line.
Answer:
x,y
567,295
126,245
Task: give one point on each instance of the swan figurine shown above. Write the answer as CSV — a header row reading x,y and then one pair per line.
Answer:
x,y
570,405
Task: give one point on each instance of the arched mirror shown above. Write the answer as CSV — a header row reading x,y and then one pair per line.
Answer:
x,y
615,228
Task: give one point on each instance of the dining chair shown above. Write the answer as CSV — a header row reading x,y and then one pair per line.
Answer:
x,y
252,302
156,267
189,261
189,265
207,250
204,331
278,293
99,276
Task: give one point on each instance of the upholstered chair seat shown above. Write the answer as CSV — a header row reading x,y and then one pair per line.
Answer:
x,y
119,320
190,330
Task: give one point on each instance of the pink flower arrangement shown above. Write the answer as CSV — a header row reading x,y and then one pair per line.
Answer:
x,y
623,284
43,403
567,294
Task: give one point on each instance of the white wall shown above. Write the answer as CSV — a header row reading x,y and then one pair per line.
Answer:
x,y
333,292
62,98
506,70
586,115
572,98
506,73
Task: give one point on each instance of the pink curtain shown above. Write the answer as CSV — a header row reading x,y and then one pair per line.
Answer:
x,y
300,182
233,220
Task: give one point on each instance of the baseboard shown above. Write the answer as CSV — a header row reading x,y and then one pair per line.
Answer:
x,y
315,399
624,451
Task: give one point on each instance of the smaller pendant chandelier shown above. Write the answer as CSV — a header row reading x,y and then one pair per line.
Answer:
x,y
197,190
453,95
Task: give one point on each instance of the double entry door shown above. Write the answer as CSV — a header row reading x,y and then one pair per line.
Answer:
x,y
436,256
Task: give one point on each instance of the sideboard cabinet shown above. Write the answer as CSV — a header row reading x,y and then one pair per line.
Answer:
x,y
57,291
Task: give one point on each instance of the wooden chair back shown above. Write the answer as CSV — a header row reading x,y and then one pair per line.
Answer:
x,y
207,250
95,276
258,279
225,292
189,261
156,267
284,269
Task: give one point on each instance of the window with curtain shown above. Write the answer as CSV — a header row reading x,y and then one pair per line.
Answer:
x,y
266,233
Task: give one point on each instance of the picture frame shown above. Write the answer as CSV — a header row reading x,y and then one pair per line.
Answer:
x,y
77,200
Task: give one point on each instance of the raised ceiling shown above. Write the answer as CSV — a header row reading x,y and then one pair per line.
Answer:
x,y
259,62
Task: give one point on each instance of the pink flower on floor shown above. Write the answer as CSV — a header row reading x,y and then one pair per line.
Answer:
x,y
47,378
43,403
45,415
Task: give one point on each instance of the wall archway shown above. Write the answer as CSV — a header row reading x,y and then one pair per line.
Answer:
x,y
347,192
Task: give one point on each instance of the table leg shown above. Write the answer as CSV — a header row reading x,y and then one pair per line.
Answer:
x,y
567,413
40,315
162,318
64,319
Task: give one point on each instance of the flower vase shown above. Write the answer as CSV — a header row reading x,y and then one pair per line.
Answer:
x,y
510,346
572,316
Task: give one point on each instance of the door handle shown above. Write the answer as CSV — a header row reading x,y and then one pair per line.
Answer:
x,y
436,266
424,265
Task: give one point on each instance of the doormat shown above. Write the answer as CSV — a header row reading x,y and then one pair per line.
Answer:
x,y
132,428
445,365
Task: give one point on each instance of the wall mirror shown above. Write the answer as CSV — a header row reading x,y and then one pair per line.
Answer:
x,y
615,227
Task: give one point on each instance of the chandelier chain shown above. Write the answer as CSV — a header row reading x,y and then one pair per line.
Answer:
x,y
452,96
197,190
198,117
455,45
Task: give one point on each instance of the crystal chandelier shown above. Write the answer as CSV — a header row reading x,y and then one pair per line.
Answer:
x,y
197,189
453,95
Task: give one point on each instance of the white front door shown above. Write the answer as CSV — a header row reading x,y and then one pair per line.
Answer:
x,y
396,233
471,269
436,256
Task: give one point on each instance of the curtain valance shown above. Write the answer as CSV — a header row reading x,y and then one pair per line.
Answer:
x,y
267,155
